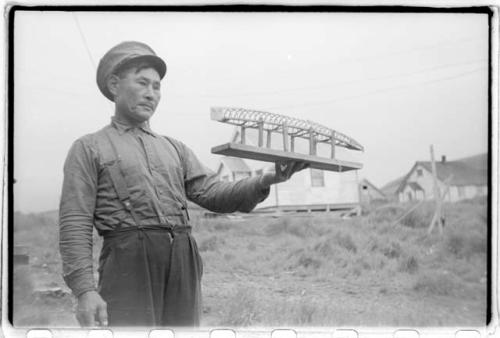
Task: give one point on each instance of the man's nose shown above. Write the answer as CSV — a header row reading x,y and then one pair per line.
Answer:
x,y
150,93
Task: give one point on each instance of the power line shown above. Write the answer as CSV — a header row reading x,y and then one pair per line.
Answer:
x,y
86,45
383,90
334,85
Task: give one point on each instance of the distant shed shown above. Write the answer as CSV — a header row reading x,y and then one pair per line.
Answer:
x,y
233,169
369,192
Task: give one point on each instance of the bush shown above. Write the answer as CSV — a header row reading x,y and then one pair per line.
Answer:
x,y
387,213
476,245
242,309
346,241
465,246
393,250
408,264
210,244
308,261
325,248
436,284
292,226
222,225
419,218
301,258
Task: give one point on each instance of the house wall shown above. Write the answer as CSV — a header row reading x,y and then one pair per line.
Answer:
x,y
338,188
426,181
224,173
408,194
456,193
369,194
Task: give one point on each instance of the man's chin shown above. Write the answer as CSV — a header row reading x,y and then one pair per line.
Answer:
x,y
145,114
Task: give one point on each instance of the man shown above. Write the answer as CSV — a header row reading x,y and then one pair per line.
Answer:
x,y
132,185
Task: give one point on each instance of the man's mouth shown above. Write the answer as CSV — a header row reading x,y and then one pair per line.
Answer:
x,y
143,105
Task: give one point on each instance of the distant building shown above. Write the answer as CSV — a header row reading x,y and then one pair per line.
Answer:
x,y
369,192
464,178
233,169
391,188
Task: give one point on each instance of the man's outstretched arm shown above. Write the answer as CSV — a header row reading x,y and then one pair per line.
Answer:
x,y
204,187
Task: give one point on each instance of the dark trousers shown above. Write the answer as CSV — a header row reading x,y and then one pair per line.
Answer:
x,y
151,278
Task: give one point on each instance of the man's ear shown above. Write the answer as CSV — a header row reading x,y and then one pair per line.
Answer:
x,y
113,84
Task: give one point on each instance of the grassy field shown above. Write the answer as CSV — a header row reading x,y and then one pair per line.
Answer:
x,y
304,269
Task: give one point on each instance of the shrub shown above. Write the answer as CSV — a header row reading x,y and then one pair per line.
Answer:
x,y
325,248
289,225
465,246
301,258
242,309
222,225
279,227
418,218
304,313
387,213
476,245
210,244
346,241
437,284
393,250
408,264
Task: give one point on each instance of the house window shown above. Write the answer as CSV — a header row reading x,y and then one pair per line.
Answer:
x,y
420,173
317,178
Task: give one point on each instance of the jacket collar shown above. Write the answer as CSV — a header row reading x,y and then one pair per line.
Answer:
x,y
123,127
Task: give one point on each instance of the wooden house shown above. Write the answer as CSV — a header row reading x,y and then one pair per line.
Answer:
x,y
233,169
461,179
369,192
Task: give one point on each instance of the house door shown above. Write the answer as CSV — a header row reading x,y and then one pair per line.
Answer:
x,y
410,197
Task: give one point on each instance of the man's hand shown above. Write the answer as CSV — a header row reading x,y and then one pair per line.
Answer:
x,y
282,172
91,309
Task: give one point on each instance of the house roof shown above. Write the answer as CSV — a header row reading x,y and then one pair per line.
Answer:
x,y
235,164
461,172
392,187
364,181
415,186
466,171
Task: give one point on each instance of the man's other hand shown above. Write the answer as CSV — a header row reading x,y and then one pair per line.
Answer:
x,y
282,171
91,310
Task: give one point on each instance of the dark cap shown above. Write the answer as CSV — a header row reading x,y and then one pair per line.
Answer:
x,y
120,55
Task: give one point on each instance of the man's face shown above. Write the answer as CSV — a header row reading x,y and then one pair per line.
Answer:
x,y
137,93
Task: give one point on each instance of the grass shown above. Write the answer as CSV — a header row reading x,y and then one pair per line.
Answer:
x,y
313,269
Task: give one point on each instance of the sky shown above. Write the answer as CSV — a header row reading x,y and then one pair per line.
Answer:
x,y
395,82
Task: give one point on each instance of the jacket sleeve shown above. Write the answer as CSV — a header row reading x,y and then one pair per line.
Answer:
x,y
76,217
204,188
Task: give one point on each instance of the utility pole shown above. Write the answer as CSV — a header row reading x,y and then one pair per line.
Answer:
x,y
437,218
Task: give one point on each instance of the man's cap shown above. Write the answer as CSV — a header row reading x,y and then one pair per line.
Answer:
x,y
122,54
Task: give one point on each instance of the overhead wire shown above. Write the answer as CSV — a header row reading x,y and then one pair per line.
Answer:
x,y
383,90
343,83
86,45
